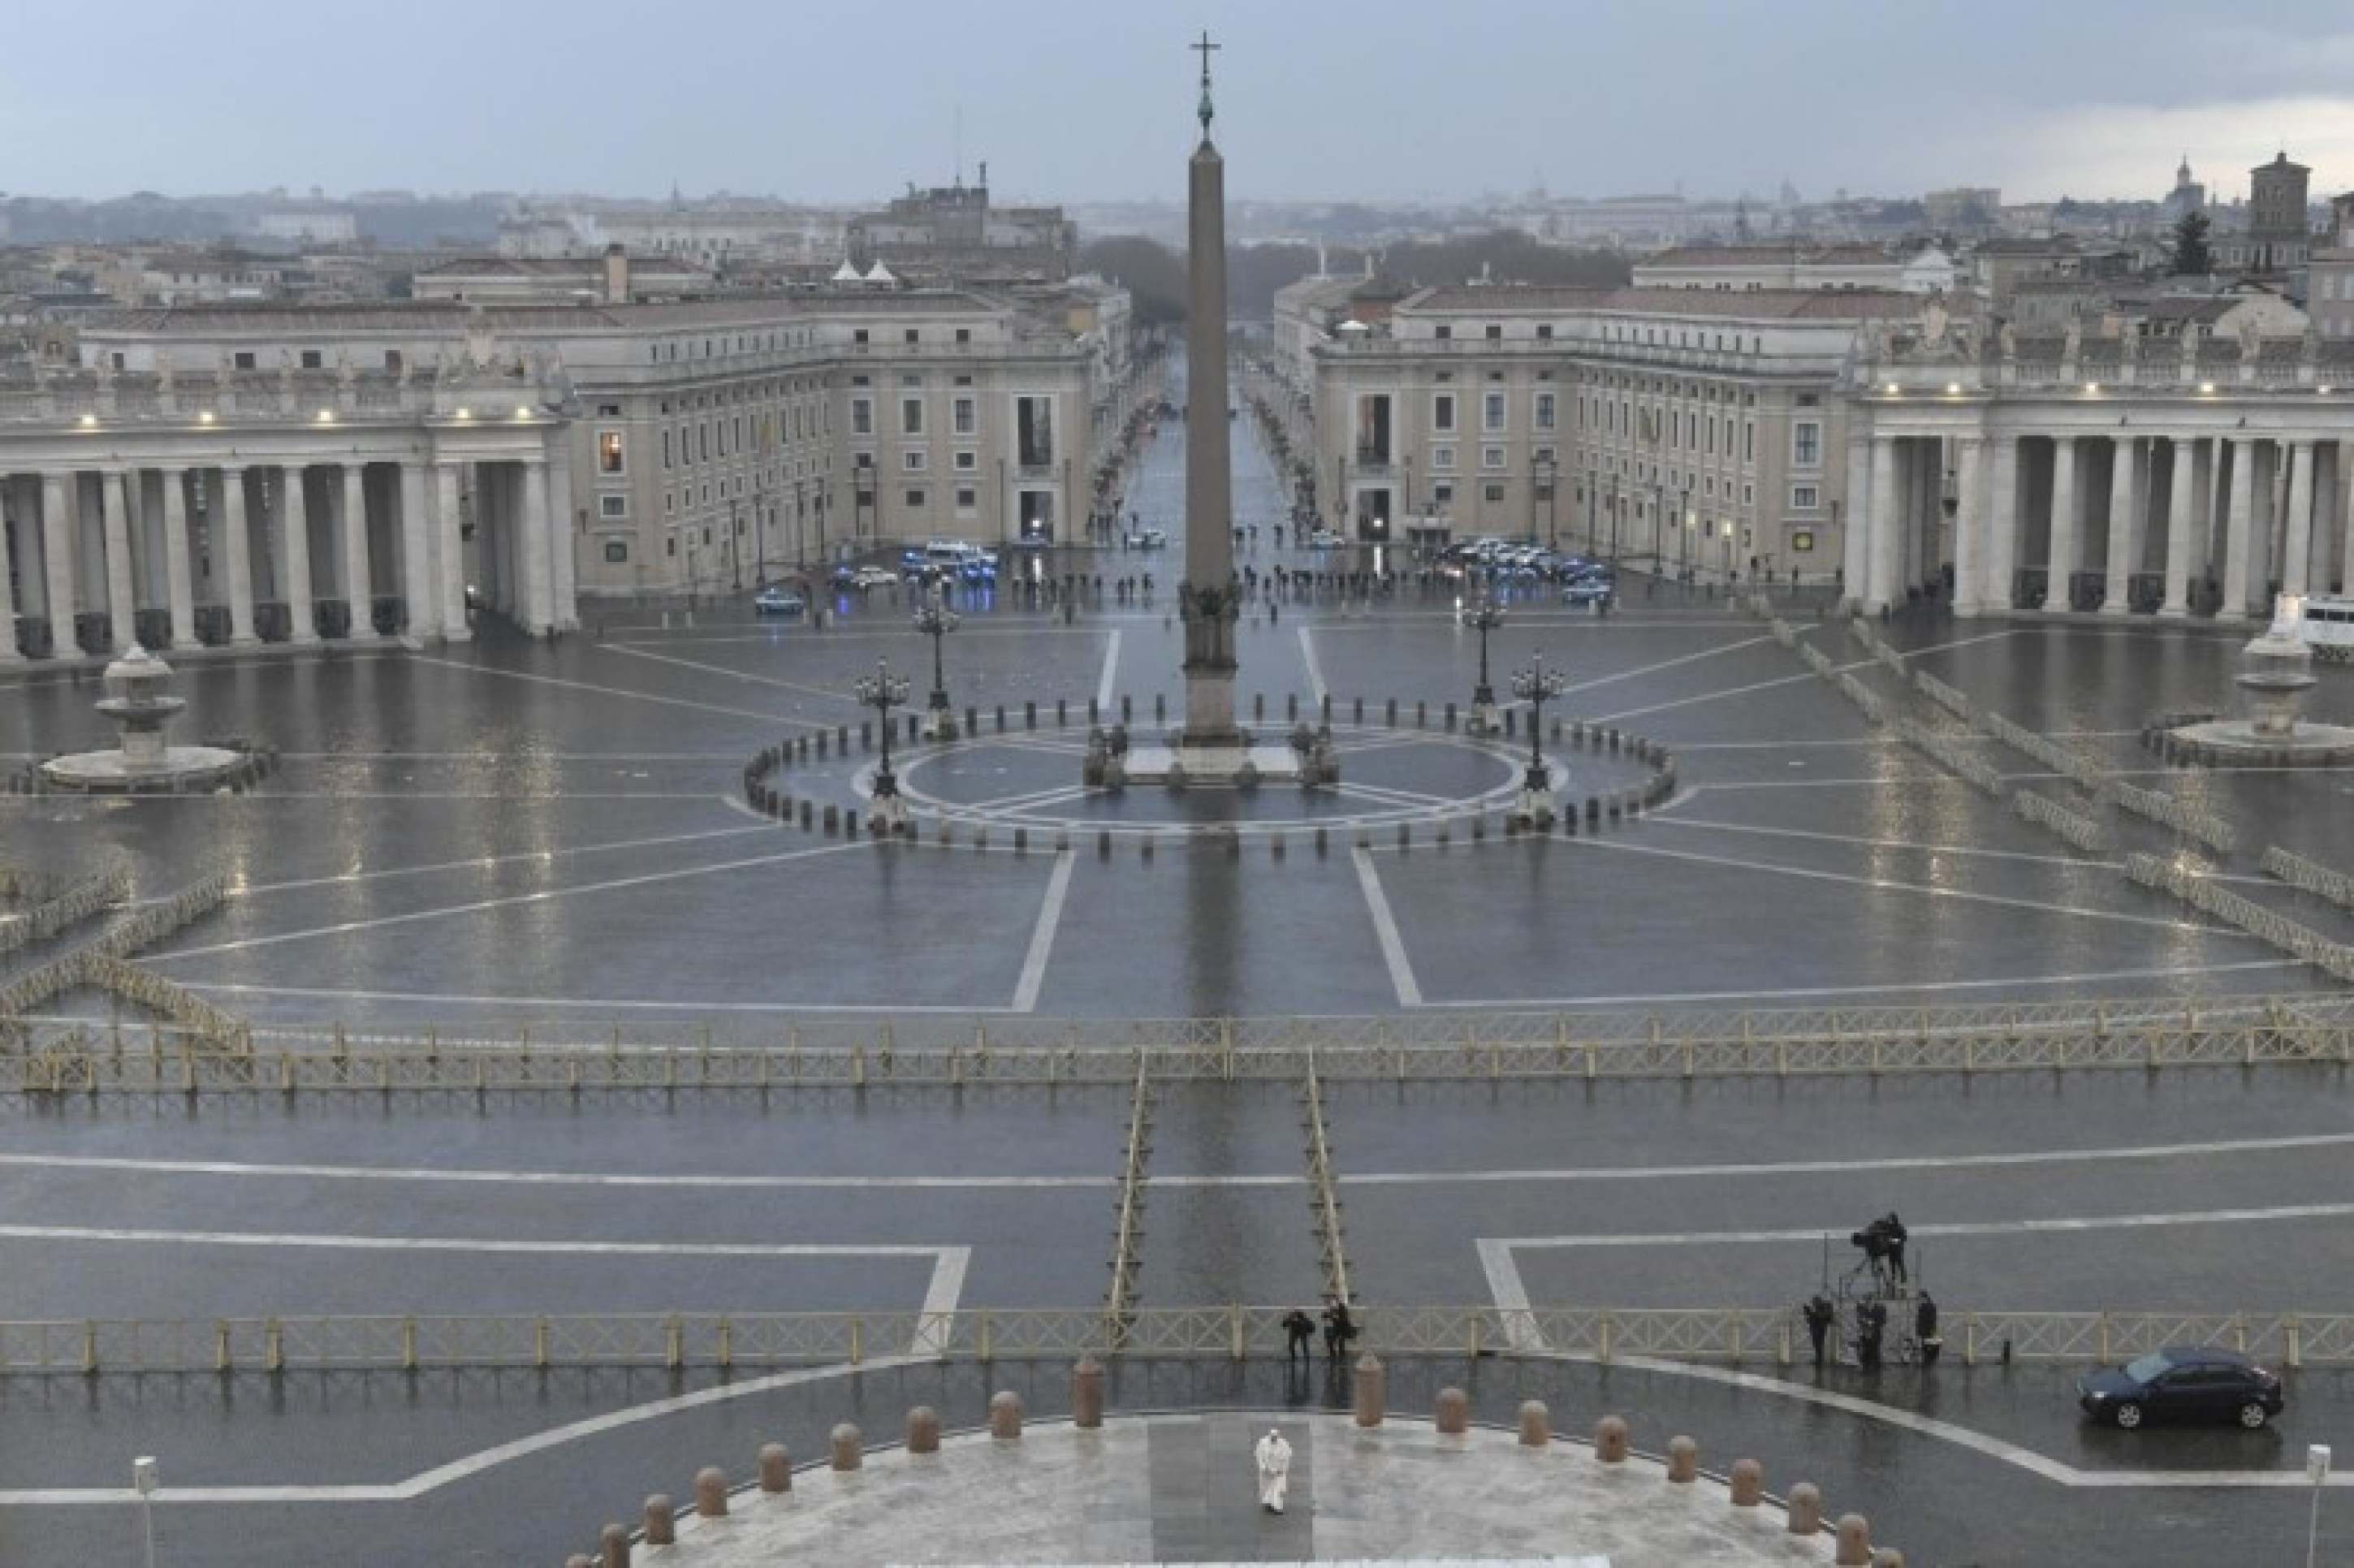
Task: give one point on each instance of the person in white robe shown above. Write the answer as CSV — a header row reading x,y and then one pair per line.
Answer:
x,y
1274,1457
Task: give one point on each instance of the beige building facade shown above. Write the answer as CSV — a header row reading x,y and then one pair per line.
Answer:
x,y
1697,429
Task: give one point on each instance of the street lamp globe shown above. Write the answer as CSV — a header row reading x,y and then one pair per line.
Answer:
x,y
1536,686
935,620
884,690
1486,616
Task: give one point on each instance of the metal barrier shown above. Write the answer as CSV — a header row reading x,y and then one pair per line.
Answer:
x,y
1331,1248
62,910
1953,754
2191,885
2086,832
102,963
674,1341
1946,697
2056,757
2193,820
1127,1233
1866,700
1960,1038
2312,876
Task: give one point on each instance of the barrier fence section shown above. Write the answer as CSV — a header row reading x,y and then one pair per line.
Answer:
x,y
2146,1032
759,1340
2191,821
2085,832
2312,876
2193,888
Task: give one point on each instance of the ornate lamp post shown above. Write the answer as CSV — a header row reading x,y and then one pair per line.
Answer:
x,y
1537,685
884,690
1487,615
935,620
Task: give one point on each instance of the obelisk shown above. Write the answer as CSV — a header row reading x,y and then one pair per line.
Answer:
x,y
1212,745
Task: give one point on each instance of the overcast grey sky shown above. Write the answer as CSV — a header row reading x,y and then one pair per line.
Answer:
x,y
1370,99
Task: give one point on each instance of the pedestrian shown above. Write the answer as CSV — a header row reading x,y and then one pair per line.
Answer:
x,y
1925,1328
1273,1456
1819,1315
1299,1331
1893,1229
1870,1324
1339,1329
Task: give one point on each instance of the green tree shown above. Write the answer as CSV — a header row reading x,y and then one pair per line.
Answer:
x,y
2188,253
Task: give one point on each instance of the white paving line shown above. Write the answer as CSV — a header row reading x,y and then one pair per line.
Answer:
x,y
1921,988
592,1004
255,890
1707,825
345,1243
724,671
1377,904
760,1181
1664,664
2073,1224
615,691
1042,936
1789,679
1967,895
1104,685
1315,670
543,896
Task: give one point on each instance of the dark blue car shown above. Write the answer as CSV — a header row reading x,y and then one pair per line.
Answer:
x,y
2185,1385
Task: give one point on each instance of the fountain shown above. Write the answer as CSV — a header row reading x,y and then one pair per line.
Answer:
x,y
2275,676
139,702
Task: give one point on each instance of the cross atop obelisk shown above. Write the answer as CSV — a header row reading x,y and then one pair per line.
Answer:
x,y
1205,49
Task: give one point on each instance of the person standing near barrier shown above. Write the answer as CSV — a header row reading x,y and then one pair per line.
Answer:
x,y
1925,1328
1870,1325
1299,1332
1819,1315
1339,1329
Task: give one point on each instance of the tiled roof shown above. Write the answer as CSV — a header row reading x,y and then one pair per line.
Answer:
x,y
436,316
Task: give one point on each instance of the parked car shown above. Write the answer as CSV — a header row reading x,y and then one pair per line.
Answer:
x,y
871,577
1588,590
777,600
1149,538
1323,539
2182,1383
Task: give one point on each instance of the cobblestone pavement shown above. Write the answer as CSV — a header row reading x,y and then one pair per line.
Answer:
x,y
548,840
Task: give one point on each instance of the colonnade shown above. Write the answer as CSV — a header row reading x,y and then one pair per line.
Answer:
x,y
2173,524
178,553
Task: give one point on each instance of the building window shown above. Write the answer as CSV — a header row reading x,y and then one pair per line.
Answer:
x,y
1442,457
1495,332
1491,457
858,336
1033,431
912,336
1544,411
245,361
1442,495
1493,412
1748,440
1805,497
609,453
862,416
964,335
311,360
1442,331
1803,541
1807,443
965,496
911,415
616,551
1494,494
666,444
1442,413
966,461
1545,332
613,508
913,461
914,499
964,416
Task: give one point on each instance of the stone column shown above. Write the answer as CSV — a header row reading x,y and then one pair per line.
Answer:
x,y
294,539
9,652
122,607
179,585
1969,527
2345,515
2060,562
1886,550
2296,537
536,552
2178,529
417,554
2125,503
357,591
237,547
453,597
58,558
2239,530
564,537
1855,556
2002,534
